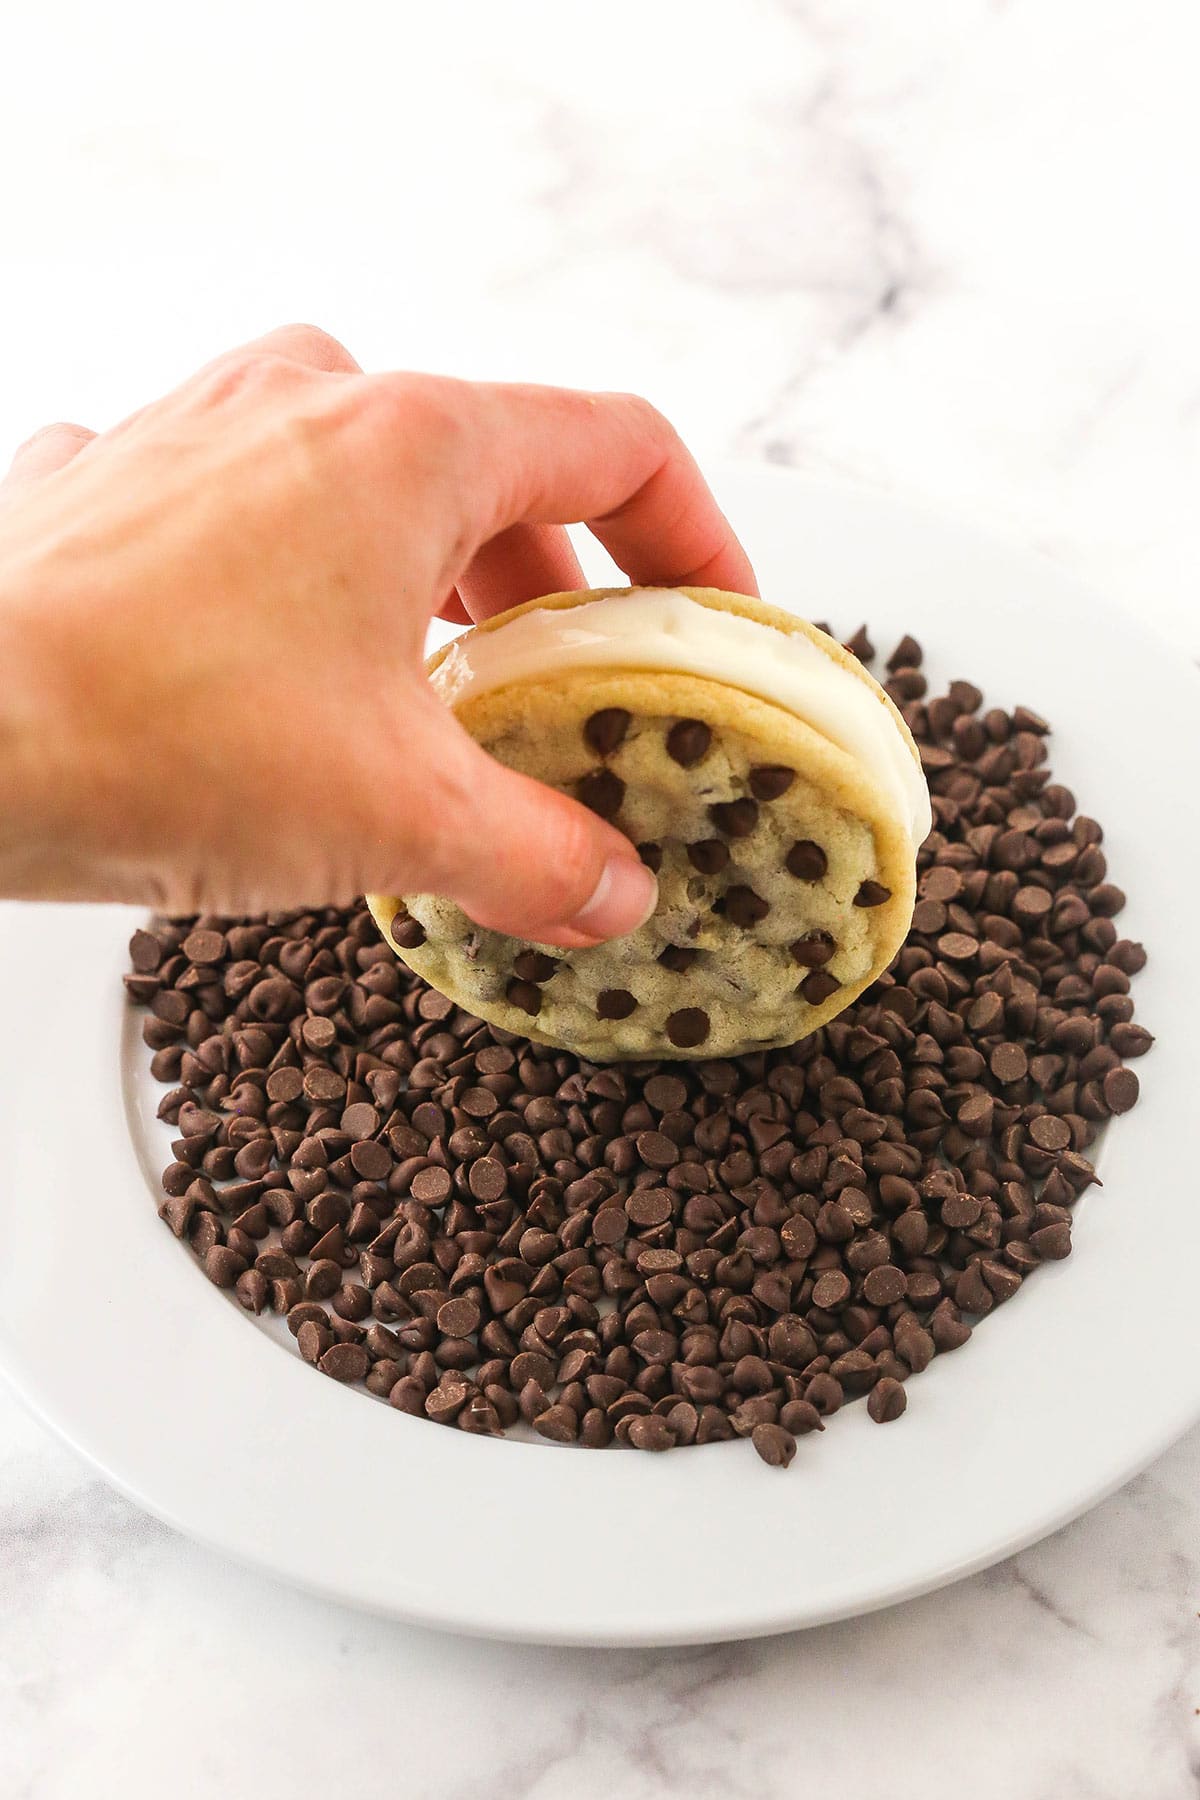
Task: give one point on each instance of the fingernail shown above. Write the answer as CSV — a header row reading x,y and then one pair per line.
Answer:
x,y
623,898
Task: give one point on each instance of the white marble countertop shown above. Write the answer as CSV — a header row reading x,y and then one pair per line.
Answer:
x,y
946,247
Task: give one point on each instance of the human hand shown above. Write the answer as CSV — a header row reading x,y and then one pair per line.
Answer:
x,y
212,622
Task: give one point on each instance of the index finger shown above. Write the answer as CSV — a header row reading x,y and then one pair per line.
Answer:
x,y
542,455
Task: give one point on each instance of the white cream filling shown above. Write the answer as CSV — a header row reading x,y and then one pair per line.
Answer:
x,y
660,628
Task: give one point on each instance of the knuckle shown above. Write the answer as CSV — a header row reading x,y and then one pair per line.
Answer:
x,y
647,419
321,349
249,373
430,415
61,432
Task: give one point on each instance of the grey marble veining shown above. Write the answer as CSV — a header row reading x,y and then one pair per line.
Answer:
x,y
945,247
132,1662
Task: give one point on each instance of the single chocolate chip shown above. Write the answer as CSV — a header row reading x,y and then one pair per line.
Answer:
x,y
709,856
557,1423
1121,1089
535,965
1031,904
524,995
650,1432
942,882
345,1362
431,1187
1049,1132
887,1400
458,1318
769,780
360,1121
605,730
831,1290
223,1266
687,1027
688,741
407,933
1008,1063
615,1003
872,893
813,950
602,792
651,855
884,1285
774,1444
907,654
657,1150
204,946
145,952
666,1093
736,818
1130,1040
744,908
807,861
817,987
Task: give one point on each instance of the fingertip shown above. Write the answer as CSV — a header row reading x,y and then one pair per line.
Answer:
x,y
620,903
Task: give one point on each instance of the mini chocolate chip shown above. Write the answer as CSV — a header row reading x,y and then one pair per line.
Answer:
x,y
650,1433
524,995
145,952
884,1285
887,1400
648,1206
458,1318
769,780
1049,1132
615,1003
1009,1063
605,730
687,1027
535,965
204,946
651,855
602,792
813,950
432,1186
345,1362
677,959
906,655
407,933
688,741
1121,1088
744,908
872,893
666,1093
736,818
775,1445
817,987
709,855
807,861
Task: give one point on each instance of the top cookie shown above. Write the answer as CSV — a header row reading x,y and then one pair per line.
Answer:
x,y
785,860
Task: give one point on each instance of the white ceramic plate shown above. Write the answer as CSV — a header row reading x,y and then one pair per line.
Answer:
x,y
114,1337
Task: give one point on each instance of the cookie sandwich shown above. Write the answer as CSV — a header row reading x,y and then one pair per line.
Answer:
x,y
764,776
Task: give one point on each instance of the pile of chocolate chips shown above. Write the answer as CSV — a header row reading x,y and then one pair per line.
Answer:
x,y
482,1230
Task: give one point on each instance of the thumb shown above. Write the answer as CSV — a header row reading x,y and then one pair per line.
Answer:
x,y
524,859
